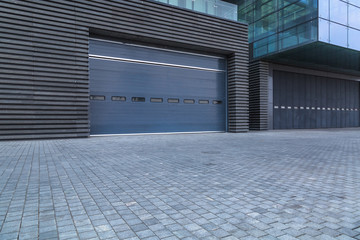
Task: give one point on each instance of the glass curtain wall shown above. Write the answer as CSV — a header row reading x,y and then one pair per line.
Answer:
x,y
223,9
339,23
276,25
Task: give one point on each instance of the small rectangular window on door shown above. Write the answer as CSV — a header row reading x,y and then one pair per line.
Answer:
x,y
138,99
97,97
156,100
173,100
118,98
203,101
189,101
217,102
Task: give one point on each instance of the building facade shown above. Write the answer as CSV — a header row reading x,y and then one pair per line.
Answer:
x,y
78,67
304,67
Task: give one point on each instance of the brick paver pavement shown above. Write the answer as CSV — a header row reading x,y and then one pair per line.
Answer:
x,y
260,185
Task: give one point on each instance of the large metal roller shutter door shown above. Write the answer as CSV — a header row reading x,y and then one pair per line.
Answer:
x,y
305,101
138,89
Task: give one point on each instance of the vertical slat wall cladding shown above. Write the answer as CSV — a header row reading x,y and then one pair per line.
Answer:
x,y
44,82
258,92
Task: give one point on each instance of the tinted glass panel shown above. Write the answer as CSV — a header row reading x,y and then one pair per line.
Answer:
x,y
338,34
219,8
355,2
324,6
354,16
354,39
324,30
338,11
278,25
339,22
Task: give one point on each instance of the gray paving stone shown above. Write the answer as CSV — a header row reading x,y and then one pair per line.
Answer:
x,y
126,234
220,233
106,234
48,235
259,185
9,236
201,233
230,238
310,231
344,237
192,227
287,237
145,234
325,237
163,233
152,238
139,227
88,235
182,233
67,235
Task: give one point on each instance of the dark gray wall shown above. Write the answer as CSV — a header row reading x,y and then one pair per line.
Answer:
x,y
44,82
259,90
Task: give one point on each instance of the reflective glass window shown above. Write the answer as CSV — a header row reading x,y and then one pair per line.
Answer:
x,y
294,14
354,16
288,38
275,25
264,7
355,2
324,30
266,26
284,3
219,8
354,36
304,32
260,48
338,34
338,11
324,9
246,13
265,46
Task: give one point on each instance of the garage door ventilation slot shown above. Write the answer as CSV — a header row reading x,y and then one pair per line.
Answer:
x,y
151,63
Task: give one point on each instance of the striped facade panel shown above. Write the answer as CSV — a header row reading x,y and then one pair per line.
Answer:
x,y
238,94
43,74
258,95
44,78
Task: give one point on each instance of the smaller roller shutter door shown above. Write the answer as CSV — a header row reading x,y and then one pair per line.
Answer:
x,y
305,101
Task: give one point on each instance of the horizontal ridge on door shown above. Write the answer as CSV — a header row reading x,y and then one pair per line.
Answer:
x,y
156,48
107,58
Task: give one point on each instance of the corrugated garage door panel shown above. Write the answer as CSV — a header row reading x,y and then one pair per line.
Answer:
x,y
306,101
179,91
